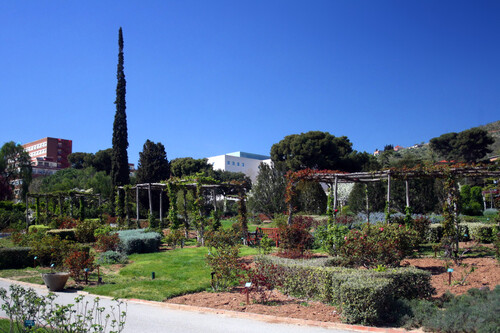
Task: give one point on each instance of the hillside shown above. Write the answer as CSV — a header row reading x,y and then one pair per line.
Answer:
x,y
494,130
423,152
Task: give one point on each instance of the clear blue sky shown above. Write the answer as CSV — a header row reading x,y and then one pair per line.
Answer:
x,y
212,77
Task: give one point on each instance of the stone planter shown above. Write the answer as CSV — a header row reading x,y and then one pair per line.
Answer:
x,y
55,281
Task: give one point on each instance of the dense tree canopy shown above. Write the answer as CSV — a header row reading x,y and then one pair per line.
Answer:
x,y
187,166
101,160
15,164
153,164
314,150
74,179
467,146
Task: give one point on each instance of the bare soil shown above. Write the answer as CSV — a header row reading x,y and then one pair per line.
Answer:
x,y
486,274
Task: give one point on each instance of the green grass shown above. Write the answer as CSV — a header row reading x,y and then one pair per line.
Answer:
x,y
177,272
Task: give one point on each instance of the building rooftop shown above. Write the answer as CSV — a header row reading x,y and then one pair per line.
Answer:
x,y
249,155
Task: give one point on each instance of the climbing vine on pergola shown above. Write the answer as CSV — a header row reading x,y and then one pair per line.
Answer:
x,y
198,185
60,196
448,173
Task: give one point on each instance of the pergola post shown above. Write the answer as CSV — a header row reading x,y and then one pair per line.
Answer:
x,y
407,194
367,204
335,197
388,192
150,201
137,203
214,199
161,208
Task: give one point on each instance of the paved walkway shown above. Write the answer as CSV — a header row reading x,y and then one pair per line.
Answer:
x,y
146,316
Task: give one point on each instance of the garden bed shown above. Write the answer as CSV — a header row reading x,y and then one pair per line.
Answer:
x,y
486,274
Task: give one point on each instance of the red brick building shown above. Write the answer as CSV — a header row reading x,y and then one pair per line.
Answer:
x,y
49,155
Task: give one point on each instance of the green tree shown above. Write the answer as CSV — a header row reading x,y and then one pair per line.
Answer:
x,y
153,164
315,150
119,158
102,160
15,164
80,160
268,193
471,200
187,166
467,146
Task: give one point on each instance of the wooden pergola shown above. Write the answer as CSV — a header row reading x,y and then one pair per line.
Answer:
x,y
161,187
59,196
333,178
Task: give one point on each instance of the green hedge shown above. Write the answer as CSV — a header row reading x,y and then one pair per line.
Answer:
x,y
15,257
482,232
366,301
68,234
139,241
38,228
468,230
338,285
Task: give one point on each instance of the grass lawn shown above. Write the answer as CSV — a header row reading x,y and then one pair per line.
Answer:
x,y
177,272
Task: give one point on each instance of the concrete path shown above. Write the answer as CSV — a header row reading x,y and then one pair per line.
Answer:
x,y
146,316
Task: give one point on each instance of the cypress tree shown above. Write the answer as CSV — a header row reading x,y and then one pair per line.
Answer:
x,y
119,158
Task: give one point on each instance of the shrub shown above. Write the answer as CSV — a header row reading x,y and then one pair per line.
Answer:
x,y
307,279
225,266
13,219
491,212
63,222
15,257
174,238
68,234
138,241
264,277
331,237
38,228
50,250
476,311
85,230
383,244
77,262
103,230
107,242
295,239
484,233
221,238
365,301
421,224
112,257
266,244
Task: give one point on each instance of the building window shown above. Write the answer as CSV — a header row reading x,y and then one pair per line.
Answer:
x,y
242,164
238,163
228,163
233,163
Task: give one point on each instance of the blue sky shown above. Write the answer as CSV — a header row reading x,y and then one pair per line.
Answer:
x,y
212,77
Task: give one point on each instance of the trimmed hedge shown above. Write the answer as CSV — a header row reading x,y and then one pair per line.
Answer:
x,y
68,234
139,241
343,287
15,257
482,232
38,228
366,301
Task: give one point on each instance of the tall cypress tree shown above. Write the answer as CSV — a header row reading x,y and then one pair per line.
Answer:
x,y
119,158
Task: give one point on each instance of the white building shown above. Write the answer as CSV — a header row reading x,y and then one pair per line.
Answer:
x,y
239,161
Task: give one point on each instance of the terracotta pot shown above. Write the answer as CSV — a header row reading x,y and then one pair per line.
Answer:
x,y
55,281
